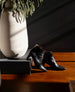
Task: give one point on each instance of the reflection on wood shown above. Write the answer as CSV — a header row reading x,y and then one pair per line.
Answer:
x,y
49,76
64,56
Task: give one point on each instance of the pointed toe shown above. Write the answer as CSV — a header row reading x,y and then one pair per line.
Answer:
x,y
61,68
49,59
43,68
58,68
37,54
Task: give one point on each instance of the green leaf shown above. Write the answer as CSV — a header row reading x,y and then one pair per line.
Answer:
x,y
24,7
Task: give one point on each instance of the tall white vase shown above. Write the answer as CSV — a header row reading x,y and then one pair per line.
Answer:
x,y
13,36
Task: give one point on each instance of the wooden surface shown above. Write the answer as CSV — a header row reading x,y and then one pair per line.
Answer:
x,y
53,81
49,76
64,56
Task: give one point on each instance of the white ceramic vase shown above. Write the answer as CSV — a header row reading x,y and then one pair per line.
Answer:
x,y
13,36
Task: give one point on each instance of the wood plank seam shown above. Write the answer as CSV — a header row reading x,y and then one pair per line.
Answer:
x,y
64,56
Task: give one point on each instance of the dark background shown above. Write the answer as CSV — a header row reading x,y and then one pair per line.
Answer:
x,y
53,26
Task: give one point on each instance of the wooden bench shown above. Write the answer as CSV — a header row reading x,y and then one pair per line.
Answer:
x,y
53,81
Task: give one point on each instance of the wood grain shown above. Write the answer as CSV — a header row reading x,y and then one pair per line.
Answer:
x,y
64,56
51,75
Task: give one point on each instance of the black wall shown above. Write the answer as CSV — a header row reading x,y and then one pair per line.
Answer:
x,y
53,26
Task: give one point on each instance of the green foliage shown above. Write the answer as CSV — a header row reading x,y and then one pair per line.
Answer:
x,y
24,7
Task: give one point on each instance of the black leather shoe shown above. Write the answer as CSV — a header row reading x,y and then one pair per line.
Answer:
x,y
49,59
37,54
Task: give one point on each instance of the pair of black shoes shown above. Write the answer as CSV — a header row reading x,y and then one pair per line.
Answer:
x,y
41,57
